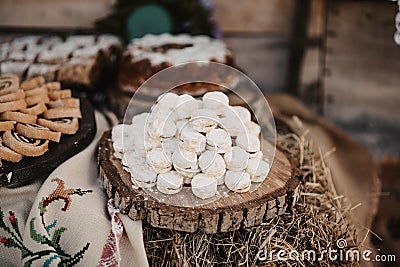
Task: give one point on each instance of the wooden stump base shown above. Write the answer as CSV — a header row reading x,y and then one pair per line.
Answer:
x,y
276,195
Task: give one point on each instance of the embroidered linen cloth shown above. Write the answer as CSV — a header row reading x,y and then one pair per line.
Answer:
x,y
67,220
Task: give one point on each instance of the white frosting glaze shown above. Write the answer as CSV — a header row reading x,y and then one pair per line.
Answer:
x,y
170,182
204,186
202,48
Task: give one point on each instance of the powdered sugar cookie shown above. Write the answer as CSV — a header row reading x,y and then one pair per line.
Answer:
x,y
160,160
236,159
212,163
238,181
184,106
203,120
204,186
192,141
242,112
218,140
167,100
258,170
253,128
248,142
143,175
216,101
169,183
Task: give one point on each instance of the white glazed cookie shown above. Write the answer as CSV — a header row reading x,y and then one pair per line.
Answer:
x,y
236,159
169,183
185,160
258,170
238,181
218,140
204,186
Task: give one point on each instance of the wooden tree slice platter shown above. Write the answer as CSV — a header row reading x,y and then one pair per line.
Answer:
x,y
275,195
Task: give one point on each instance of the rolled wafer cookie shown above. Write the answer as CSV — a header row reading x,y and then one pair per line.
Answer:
x,y
64,103
12,105
59,94
35,110
33,83
8,84
56,113
63,125
36,91
8,154
18,117
37,132
19,94
36,99
24,145
6,125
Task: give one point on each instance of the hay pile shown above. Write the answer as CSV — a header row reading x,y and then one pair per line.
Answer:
x,y
317,221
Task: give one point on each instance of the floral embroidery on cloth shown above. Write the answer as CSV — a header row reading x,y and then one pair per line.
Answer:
x,y
110,256
48,237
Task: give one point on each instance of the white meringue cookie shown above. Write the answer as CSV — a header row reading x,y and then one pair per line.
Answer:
x,y
169,183
160,160
216,101
258,170
218,140
143,175
185,105
212,163
249,142
203,120
204,186
237,181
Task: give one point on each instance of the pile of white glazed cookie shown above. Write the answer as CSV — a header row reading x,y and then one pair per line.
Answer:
x,y
202,143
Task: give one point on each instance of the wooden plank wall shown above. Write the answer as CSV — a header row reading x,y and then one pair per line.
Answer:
x,y
361,77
